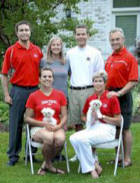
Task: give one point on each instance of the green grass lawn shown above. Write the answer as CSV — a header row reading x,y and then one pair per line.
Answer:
x,y
21,173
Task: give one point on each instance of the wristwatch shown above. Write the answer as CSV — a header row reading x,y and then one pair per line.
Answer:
x,y
103,116
119,94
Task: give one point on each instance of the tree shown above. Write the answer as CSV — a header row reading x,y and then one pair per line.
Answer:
x,y
42,14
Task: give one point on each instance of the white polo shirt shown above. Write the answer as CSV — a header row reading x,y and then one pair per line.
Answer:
x,y
84,63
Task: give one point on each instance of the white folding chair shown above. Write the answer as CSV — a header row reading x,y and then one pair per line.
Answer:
x,y
32,143
112,144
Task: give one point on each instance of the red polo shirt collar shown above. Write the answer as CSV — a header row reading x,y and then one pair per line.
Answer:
x,y
120,53
18,45
103,95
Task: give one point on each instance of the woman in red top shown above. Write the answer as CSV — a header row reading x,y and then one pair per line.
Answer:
x,y
52,136
102,127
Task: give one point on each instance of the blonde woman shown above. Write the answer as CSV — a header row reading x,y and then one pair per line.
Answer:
x,y
56,61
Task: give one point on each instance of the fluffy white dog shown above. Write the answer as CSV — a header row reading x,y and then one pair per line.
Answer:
x,y
94,105
48,115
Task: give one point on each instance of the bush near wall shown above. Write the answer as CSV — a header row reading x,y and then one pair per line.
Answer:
x,y
4,109
136,103
136,98
4,112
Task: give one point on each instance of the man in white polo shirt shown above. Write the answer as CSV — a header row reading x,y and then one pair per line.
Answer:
x,y
84,61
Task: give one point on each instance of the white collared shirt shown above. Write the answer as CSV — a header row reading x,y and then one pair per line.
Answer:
x,y
84,63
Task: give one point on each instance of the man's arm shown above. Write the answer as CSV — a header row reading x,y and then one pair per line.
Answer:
x,y
5,82
83,117
124,90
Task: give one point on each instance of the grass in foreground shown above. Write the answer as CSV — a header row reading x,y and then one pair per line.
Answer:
x,y
21,173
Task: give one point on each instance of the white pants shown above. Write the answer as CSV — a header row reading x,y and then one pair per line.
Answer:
x,y
83,140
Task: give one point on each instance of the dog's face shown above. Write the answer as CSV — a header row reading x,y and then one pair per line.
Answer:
x,y
48,112
95,104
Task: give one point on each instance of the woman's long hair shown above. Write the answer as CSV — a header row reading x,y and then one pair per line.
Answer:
x,y
49,52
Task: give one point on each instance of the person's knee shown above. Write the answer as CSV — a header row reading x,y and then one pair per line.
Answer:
x,y
59,141
72,139
75,139
47,139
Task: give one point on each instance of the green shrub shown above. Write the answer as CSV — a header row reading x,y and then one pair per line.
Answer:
x,y
4,108
136,99
4,112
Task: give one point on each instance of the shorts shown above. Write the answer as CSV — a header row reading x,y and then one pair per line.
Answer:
x,y
126,105
127,120
77,100
34,130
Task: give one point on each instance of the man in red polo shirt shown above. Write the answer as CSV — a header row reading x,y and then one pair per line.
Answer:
x,y
22,60
122,69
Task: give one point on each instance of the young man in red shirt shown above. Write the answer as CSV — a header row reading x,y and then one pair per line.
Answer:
x,y
122,69
23,59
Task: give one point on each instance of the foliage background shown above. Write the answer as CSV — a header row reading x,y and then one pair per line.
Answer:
x,y
45,18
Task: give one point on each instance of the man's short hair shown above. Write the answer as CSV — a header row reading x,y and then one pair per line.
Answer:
x,y
21,23
117,29
81,26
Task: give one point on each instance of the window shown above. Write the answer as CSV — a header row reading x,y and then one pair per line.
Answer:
x,y
126,3
126,14
129,24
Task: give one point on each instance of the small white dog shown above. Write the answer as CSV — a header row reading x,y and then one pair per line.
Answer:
x,y
48,115
94,105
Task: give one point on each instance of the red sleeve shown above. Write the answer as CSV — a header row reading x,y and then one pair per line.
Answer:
x,y
115,105
63,100
86,106
133,74
30,102
107,64
6,62
40,52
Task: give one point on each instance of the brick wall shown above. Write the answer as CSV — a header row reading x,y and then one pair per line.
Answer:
x,y
100,12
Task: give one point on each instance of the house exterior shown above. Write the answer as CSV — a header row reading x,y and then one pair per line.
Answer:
x,y
108,14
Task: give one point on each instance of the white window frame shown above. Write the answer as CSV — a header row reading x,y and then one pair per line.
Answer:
x,y
125,12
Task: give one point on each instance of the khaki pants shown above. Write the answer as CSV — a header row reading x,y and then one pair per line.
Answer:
x,y
77,100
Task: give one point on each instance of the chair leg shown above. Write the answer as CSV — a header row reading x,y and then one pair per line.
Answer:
x,y
67,161
31,158
26,153
79,168
30,151
116,160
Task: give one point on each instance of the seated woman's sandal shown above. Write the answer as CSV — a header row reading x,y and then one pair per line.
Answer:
x,y
42,171
55,170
